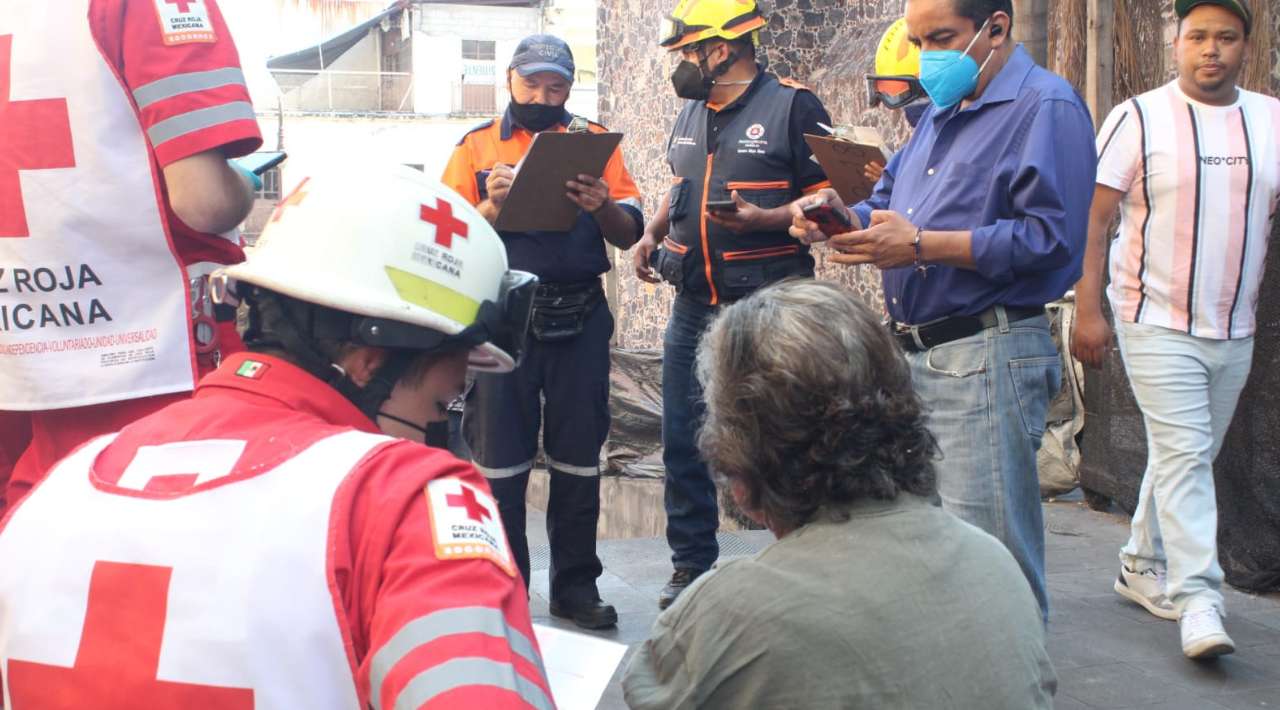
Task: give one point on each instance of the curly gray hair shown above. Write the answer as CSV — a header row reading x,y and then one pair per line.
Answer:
x,y
809,404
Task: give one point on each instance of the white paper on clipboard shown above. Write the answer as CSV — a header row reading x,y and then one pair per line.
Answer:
x,y
579,667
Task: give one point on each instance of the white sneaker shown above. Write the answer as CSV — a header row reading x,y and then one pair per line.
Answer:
x,y
1146,589
1203,635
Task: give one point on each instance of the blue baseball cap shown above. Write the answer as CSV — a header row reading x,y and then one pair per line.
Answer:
x,y
539,53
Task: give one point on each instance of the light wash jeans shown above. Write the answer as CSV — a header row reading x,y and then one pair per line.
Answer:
x,y
989,395
1187,388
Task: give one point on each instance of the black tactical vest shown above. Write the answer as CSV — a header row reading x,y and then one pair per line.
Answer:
x,y
754,156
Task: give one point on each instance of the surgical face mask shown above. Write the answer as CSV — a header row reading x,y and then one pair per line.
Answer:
x,y
536,117
949,75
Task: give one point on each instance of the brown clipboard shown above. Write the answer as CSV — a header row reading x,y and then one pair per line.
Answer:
x,y
537,200
844,160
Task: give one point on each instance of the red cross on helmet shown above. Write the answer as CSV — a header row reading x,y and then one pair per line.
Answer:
x,y
412,259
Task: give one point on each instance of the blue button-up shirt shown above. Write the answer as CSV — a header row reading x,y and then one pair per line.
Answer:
x,y
1016,168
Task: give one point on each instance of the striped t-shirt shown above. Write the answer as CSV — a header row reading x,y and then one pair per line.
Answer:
x,y
1201,186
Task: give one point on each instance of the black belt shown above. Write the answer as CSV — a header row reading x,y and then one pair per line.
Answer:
x,y
558,289
956,327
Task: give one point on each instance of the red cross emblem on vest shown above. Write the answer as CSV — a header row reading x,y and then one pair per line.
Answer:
x,y
36,135
115,666
184,6
468,500
447,226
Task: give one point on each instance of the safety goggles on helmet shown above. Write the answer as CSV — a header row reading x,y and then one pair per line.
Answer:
x,y
713,20
673,29
504,325
894,92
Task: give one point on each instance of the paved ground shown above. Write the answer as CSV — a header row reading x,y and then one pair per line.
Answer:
x,y
1108,653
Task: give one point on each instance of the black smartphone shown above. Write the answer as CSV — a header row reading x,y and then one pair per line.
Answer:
x,y
722,206
830,220
259,163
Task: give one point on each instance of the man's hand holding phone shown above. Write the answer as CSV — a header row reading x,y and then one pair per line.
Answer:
x,y
736,214
819,217
829,220
714,206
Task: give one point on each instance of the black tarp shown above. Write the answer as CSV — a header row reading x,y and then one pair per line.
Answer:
x,y
321,56
634,448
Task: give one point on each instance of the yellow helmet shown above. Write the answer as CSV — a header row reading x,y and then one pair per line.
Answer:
x,y
896,81
896,56
695,20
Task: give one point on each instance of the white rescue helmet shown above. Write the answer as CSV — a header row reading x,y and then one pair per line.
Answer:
x,y
411,256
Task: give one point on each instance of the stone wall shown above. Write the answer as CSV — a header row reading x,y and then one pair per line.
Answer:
x,y
818,42
830,45
827,44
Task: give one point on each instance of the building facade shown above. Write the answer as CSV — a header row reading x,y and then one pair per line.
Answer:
x,y
394,81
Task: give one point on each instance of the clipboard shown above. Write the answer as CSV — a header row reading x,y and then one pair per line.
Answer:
x,y
537,200
843,161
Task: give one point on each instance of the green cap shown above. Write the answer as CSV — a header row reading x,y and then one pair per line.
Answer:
x,y
1239,7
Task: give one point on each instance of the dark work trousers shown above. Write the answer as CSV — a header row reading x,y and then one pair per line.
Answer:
x,y
690,494
562,389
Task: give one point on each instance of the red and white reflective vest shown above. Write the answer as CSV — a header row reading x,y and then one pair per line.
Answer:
x,y
237,551
94,300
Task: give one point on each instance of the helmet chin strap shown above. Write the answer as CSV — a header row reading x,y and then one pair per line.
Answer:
x,y
721,69
405,422
378,390
285,315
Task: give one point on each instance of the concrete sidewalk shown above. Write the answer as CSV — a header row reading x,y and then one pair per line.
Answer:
x,y
1108,652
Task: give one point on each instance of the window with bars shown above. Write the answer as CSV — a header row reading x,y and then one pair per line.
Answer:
x,y
270,185
476,94
479,49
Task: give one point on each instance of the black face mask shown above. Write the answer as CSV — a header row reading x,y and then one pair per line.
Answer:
x,y
694,81
536,117
690,83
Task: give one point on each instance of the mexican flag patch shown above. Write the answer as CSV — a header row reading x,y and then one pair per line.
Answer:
x,y
252,369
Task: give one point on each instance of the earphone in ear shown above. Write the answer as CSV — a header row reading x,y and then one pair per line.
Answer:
x,y
996,31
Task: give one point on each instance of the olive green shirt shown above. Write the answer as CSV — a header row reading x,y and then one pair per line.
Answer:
x,y
902,606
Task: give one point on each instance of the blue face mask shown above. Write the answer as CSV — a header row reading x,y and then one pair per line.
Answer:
x,y
949,75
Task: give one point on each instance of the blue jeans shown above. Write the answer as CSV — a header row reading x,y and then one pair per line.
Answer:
x,y
1187,388
690,494
988,396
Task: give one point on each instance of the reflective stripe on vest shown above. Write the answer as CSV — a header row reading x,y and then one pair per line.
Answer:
x,y
753,157
93,301
243,566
